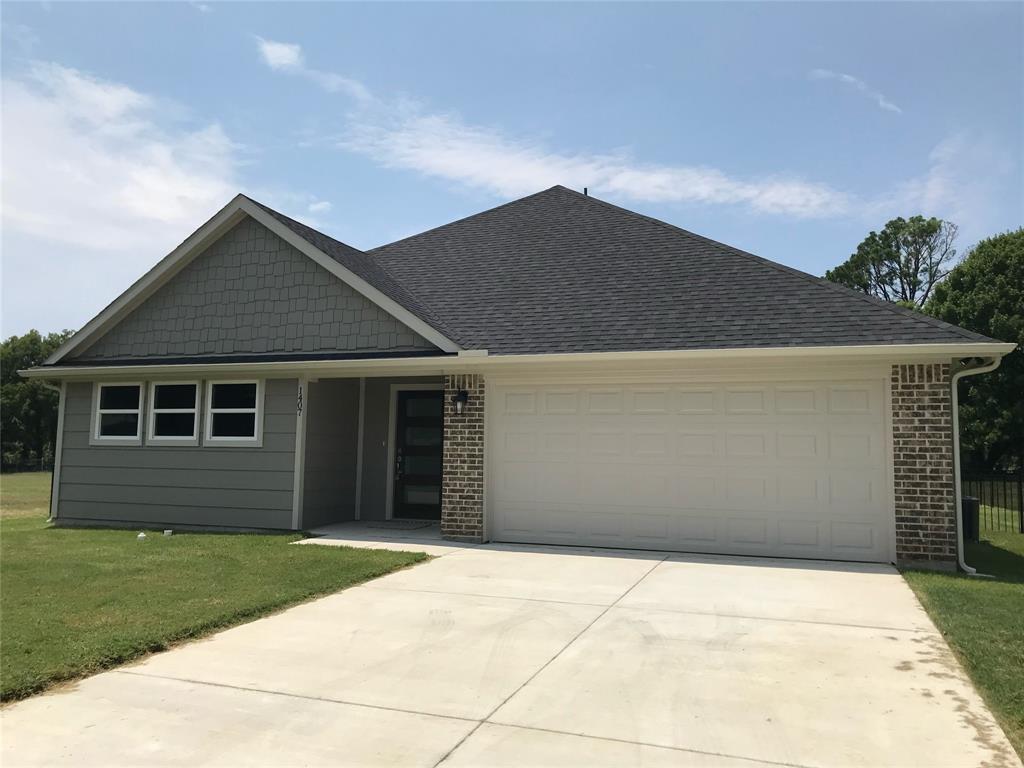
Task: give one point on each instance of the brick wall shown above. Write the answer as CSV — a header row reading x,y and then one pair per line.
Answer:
x,y
923,466
462,489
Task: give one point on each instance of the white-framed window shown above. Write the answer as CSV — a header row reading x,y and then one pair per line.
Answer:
x,y
234,412
117,413
173,413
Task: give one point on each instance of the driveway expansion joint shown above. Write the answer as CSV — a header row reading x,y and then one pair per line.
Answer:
x,y
480,594
720,614
548,663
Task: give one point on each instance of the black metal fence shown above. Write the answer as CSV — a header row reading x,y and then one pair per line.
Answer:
x,y
1001,498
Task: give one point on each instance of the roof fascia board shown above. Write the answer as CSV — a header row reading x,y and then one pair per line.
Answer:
x,y
896,353
386,303
146,285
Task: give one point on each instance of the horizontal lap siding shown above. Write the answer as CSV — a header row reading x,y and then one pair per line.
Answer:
x,y
188,485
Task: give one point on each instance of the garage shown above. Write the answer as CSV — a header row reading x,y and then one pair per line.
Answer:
x,y
718,464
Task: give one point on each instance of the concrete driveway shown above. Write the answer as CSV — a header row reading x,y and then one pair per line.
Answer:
x,y
533,656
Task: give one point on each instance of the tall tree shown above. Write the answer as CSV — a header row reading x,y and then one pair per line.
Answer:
x,y
28,410
985,294
903,262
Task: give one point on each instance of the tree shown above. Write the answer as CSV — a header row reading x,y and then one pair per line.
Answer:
x,y
902,263
28,410
985,294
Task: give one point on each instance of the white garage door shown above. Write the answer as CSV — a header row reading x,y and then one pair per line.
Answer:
x,y
793,469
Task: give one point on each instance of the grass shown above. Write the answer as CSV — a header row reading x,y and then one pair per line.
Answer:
x,y
983,621
25,494
75,601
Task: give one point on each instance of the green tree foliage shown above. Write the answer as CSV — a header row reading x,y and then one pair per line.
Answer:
x,y
28,410
985,294
902,263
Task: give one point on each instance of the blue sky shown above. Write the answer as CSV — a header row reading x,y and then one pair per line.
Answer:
x,y
790,130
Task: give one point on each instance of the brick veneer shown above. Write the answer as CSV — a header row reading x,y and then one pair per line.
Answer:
x,y
462,487
923,466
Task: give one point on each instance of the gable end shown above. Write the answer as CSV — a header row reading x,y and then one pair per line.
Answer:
x,y
252,293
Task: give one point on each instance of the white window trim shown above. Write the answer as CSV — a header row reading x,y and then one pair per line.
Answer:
x,y
95,438
208,411
151,437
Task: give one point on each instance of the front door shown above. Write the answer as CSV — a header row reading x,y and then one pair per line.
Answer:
x,y
418,441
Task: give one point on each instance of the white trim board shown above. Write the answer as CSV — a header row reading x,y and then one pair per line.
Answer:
x,y
299,477
226,218
389,497
357,511
58,450
896,354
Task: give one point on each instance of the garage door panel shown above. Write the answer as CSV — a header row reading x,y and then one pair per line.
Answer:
x,y
784,468
797,445
798,400
802,534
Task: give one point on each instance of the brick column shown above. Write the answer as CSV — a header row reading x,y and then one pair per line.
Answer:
x,y
922,436
462,485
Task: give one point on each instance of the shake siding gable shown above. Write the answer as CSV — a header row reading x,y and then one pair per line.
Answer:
x,y
243,487
253,293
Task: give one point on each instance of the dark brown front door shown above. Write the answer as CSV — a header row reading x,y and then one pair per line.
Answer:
x,y
418,441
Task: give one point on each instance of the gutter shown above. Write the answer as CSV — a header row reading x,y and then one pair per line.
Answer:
x,y
983,367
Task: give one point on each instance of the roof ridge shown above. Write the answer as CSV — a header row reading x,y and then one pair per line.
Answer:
x,y
464,218
819,281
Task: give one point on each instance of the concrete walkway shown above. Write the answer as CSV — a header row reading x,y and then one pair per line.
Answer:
x,y
539,656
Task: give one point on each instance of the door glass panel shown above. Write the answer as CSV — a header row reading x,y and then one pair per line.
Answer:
x,y
423,406
422,435
422,494
423,465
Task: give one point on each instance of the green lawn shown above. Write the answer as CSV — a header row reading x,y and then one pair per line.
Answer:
x,y
983,621
75,601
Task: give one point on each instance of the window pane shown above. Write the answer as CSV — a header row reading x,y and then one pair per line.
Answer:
x,y
175,396
234,395
174,425
423,435
119,424
119,398
234,425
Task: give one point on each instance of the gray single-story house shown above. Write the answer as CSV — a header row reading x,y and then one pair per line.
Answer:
x,y
555,370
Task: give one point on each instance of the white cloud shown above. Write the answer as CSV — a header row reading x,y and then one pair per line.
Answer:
x,y
94,183
320,206
965,178
401,134
858,85
446,147
962,180
201,7
287,57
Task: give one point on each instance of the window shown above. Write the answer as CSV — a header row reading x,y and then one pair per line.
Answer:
x,y
174,413
118,414
234,412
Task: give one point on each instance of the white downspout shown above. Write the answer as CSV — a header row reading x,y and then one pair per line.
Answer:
x,y
958,499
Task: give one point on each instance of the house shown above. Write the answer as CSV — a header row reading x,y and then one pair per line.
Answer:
x,y
555,370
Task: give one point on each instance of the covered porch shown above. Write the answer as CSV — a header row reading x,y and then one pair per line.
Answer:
x,y
371,451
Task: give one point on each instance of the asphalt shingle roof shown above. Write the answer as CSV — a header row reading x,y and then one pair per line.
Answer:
x,y
562,272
